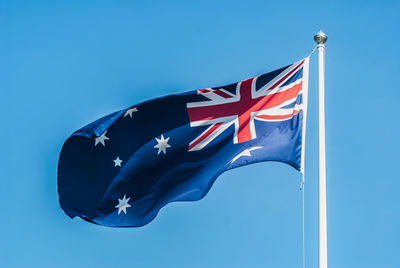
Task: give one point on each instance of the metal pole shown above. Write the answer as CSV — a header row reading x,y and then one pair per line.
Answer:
x,y
321,38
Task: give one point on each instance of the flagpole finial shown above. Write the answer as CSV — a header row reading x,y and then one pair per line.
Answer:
x,y
320,37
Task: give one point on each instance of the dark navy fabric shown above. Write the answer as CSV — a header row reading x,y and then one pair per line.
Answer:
x,y
90,185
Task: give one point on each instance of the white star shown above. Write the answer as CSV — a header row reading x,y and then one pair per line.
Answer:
x,y
101,139
123,204
245,153
130,111
117,161
162,144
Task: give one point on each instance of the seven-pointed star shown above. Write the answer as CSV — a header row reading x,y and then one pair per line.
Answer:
x,y
117,162
101,139
123,204
130,111
162,144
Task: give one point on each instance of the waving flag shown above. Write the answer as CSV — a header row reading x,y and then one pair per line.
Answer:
x,y
122,169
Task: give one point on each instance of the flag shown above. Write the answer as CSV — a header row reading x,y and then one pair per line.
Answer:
x,y
122,169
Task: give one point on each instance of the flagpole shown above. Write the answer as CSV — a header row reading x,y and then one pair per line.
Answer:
x,y
321,38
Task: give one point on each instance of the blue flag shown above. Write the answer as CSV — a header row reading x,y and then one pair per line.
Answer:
x,y
123,168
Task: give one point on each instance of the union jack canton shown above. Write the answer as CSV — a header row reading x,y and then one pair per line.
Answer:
x,y
122,169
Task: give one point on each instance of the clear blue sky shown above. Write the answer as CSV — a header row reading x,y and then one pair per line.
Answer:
x,y
64,64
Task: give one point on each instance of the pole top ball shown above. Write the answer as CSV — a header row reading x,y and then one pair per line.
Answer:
x,y
320,37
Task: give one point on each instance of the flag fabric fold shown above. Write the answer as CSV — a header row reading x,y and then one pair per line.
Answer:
x,y
122,169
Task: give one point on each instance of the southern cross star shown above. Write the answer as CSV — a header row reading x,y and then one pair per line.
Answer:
x,y
162,144
117,162
123,204
130,111
101,139
246,152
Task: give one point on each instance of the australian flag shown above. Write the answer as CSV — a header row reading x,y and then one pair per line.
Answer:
x,y
122,169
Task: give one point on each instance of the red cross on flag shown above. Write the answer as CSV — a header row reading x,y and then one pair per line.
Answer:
x,y
266,103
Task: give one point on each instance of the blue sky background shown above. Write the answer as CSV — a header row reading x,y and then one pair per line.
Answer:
x,y
64,64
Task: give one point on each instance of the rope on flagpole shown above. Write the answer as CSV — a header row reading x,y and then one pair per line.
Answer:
x,y
303,227
312,51
302,168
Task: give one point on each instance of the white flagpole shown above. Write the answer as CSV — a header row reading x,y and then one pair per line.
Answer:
x,y
321,38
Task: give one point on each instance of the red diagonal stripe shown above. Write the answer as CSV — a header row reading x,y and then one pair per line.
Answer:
x,y
203,136
286,76
222,94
